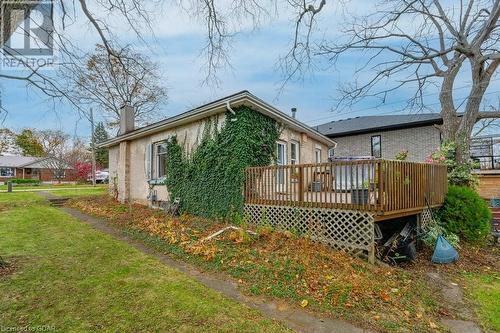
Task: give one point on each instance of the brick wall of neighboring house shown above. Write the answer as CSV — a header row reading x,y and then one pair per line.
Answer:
x,y
18,174
47,175
419,141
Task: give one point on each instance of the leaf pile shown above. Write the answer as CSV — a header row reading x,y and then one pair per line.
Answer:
x,y
283,266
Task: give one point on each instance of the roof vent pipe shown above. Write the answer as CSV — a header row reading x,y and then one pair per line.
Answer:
x,y
294,111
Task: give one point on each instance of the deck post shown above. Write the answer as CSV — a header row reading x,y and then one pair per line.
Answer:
x,y
371,253
380,187
301,183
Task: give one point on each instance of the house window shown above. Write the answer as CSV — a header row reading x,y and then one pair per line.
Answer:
x,y
7,172
317,155
376,146
281,153
294,152
59,173
331,153
161,159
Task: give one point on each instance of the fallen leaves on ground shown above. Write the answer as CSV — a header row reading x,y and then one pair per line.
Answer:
x,y
284,266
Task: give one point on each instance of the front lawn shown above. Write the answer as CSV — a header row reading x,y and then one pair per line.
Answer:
x,y
67,276
24,187
77,192
19,198
484,289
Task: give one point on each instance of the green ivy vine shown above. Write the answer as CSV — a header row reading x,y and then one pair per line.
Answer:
x,y
209,181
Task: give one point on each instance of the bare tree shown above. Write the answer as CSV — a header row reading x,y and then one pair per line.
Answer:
x,y
109,82
136,13
57,146
8,142
222,21
419,43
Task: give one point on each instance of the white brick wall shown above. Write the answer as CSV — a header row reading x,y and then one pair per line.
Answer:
x,y
419,141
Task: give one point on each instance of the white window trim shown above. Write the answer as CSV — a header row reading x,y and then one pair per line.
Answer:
x,y
297,152
285,155
316,150
156,160
331,152
13,174
379,145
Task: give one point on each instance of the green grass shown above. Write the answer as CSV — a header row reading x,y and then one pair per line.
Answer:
x,y
80,192
485,291
74,278
20,198
47,187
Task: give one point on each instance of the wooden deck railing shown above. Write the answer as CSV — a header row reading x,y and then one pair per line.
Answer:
x,y
380,186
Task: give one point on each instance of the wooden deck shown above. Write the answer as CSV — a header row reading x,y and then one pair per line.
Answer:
x,y
389,189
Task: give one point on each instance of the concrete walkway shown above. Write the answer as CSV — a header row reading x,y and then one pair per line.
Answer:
x,y
452,293
295,318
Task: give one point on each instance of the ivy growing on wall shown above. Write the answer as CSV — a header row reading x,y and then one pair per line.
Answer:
x,y
209,180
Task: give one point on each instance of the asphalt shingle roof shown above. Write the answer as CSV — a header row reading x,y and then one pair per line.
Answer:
x,y
17,161
375,123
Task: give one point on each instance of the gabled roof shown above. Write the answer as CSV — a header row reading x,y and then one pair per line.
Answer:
x,y
17,161
241,98
369,124
30,162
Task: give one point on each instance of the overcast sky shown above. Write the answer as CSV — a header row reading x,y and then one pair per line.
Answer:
x,y
254,56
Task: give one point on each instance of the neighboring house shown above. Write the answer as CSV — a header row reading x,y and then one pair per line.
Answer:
x,y
137,157
486,150
385,136
40,168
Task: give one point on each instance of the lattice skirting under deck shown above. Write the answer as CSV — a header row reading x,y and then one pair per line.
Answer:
x,y
348,230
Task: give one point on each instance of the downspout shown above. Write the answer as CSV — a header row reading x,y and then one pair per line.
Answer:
x,y
228,107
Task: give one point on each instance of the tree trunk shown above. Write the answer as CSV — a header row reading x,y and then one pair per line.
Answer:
x,y
448,112
480,81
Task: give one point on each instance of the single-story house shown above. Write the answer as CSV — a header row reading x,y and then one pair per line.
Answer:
x,y
45,169
137,157
385,136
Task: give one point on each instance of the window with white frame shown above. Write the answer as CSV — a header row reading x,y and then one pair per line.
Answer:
x,y
7,172
294,152
331,153
160,150
59,173
376,146
317,155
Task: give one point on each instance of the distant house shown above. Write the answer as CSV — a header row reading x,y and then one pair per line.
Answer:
x,y
44,169
137,157
385,136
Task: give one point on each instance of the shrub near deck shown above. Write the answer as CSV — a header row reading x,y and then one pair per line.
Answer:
x,y
282,266
466,214
70,277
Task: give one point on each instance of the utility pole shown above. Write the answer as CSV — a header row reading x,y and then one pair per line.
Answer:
x,y
92,145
